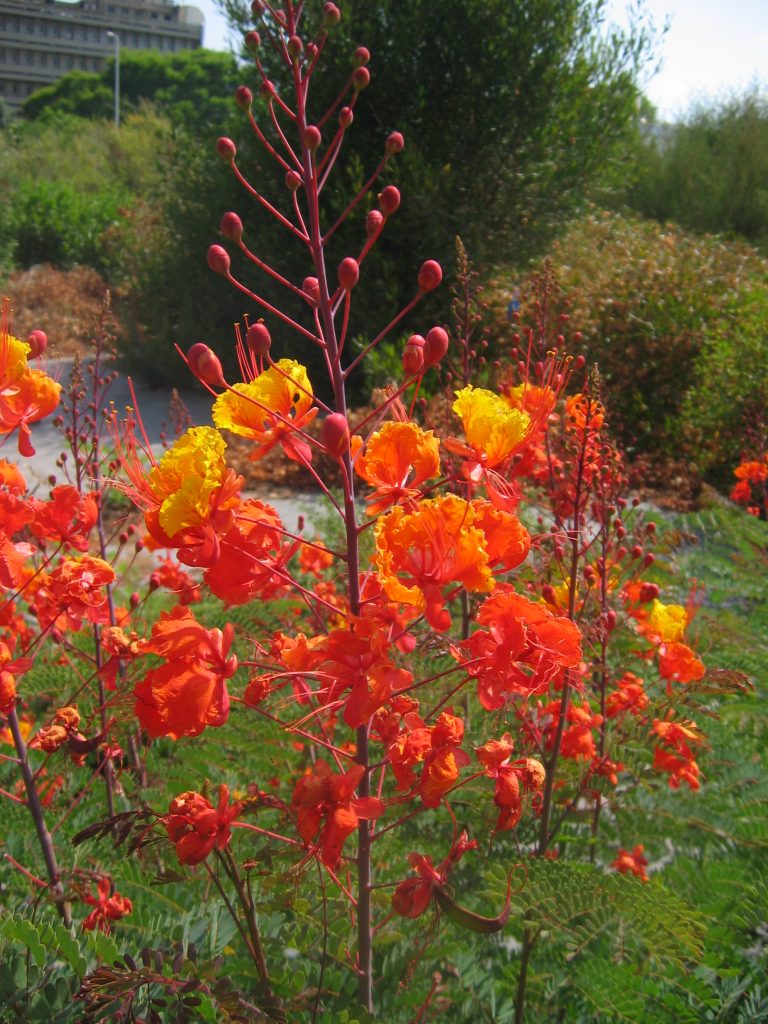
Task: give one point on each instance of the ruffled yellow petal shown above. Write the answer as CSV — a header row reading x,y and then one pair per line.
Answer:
x,y
491,425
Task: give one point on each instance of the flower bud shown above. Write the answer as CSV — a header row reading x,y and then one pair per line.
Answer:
x,y
232,226
252,41
311,52
257,8
579,363
267,89
346,117
349,273
610,620
135,599
311,287
154,581
636,552
361,78
394,144
649,559
312,137
295,47
205,365
413,354
226,149
258,339
430,276
649,592
244,97
293,181
331,15
335,434
38,343
218,259
373,222
361,56
389,200
435,345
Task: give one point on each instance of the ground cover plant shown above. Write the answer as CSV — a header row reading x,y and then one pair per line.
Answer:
x,y
441,756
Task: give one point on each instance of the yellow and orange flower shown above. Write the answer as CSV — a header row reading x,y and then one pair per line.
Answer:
x,y
271,410
397,460
493,428
418,553
26,395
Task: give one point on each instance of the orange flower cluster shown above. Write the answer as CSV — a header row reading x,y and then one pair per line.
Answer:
x,y
196,827
26,395
751,488
107,906
675,754
513,779
632,863
436,747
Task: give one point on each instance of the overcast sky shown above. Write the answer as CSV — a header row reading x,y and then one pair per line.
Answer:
x,y
712,47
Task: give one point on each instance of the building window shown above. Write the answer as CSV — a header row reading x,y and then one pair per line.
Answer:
x,y
28,57
43,60
15,56
70,62
56,60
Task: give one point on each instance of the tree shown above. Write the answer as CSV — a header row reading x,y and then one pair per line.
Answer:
x,y
192,87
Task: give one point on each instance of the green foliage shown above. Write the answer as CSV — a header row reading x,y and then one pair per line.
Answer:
x,y
192,87
709,172
651,303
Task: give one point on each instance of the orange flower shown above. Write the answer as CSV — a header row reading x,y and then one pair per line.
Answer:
x,y
196,827
26,396
68,517
76,587
630,697
522,649
678,662
189,691
270,410
418,553
322,800
676,754
438,747
397,460
578,740
528,773
252,558
632,863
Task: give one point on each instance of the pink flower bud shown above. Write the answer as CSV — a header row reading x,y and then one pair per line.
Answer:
x,y
649,559
331,15
218,259
389,200
135,599
154,581
38,343
413,354
266,89
435,345
312,137
311,287
649,592
226,149
295,47
258,339
205,365
394,144
346,117
430,276
335,434
311,52
361,56
361,78
610,620
244,97
257,8
579,363
232,226
373,222
349,272
293,181
252,41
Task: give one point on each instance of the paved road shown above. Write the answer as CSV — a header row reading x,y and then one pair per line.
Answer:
x,y
154,407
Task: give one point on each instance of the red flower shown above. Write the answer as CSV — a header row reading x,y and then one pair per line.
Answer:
x,y
413,895
632,863
196,827
325,803
437,746
108,906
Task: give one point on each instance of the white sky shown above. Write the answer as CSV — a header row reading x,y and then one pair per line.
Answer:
x,y
712,46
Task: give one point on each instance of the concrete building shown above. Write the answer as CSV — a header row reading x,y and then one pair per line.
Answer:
x,y
41,40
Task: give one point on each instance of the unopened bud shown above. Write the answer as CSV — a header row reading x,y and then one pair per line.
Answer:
x,y
38,343
579,363
244,97
312,137
311,287
293,181
430,276
361,77
435,345
252,41
346,117
331,15
649,559
649,592
218,259
610,620
650,527
226,149
231,226
311,52
389,200
267,89
205,365
295,47
361,56
154,581
394,144
636,552
134,599
335,434
413,354
373,222
349,273
258,339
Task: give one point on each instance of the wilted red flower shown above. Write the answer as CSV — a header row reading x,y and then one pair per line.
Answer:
x,y
196,827
413,895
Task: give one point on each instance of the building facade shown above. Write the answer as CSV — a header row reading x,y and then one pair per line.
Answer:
x,y
41,40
